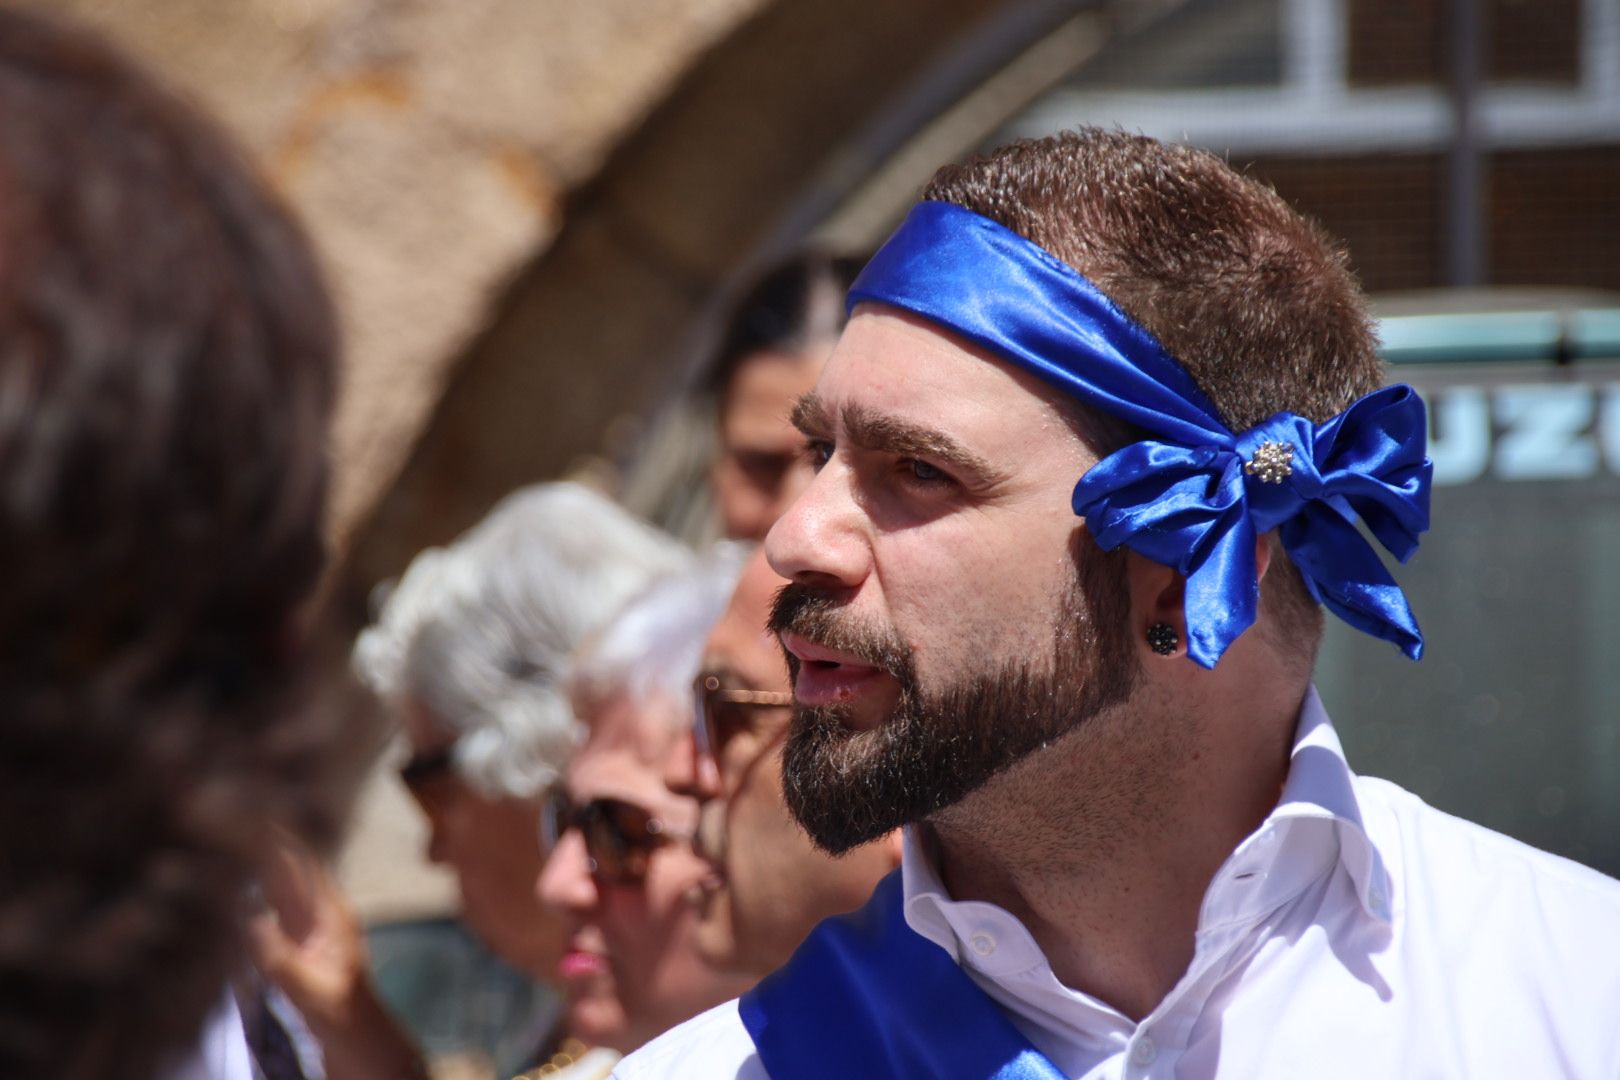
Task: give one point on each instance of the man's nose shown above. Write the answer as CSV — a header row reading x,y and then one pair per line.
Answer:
x,y
565,882
688,771
823,538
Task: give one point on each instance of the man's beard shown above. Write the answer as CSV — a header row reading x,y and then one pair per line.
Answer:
x,y
848,787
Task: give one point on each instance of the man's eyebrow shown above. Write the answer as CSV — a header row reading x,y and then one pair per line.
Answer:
x,y
810,415
872,430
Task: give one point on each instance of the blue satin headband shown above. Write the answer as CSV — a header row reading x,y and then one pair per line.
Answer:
x,y
1194,495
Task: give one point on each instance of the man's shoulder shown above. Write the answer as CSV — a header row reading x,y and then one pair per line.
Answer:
x,y
711,1044
1441,861
1511,942
1428,832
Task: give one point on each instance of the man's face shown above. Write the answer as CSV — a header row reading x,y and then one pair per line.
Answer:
x,y
774,885
631,968
944,616
759,468
489,842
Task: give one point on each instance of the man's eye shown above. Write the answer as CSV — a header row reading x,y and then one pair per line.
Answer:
x,y
924,472
764,468
817,452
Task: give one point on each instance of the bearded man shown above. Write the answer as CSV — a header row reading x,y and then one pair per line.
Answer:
x,y
1133,845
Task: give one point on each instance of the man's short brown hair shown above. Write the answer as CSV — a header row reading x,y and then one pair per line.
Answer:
x,y
1252,298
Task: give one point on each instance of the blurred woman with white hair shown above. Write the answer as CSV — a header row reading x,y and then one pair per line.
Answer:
x,y
471,649
622,863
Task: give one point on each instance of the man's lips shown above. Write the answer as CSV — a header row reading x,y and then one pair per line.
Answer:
x,y
826,676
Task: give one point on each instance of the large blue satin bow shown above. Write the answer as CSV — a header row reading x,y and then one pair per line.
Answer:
x,y
1193,496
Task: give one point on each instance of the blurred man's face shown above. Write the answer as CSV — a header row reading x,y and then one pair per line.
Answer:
x,y
760,466
490,845
631,968
774,885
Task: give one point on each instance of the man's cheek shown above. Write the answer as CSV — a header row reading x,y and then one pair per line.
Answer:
x,y
737,764
744,844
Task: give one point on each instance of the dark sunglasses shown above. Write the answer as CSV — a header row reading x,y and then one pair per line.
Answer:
x,y
620,837
424,767
723,711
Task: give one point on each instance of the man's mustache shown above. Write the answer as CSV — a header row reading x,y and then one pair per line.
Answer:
x,y
812,614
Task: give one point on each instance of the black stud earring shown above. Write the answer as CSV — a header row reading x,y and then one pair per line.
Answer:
x,y
1163,639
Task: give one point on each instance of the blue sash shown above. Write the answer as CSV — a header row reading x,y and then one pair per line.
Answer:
x,y
866,996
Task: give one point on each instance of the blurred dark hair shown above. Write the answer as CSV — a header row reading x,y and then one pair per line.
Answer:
x,y
167,356
1254,299
797,301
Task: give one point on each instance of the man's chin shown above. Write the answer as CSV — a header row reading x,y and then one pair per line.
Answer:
x,y
826,820
847,788
713,937
839,784
837,842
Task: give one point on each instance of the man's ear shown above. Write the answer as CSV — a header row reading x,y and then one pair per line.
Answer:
x,y
1158,595
891,846
1262,555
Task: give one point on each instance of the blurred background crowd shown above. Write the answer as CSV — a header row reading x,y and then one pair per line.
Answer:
x,y
584,258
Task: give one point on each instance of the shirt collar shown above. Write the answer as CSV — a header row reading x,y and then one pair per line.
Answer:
x,y
1316,821
923,896
1320,786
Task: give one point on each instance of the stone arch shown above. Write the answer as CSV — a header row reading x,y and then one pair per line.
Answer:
x,y
748,153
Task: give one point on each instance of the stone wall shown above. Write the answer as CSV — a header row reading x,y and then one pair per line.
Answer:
x,y
430,146
761,139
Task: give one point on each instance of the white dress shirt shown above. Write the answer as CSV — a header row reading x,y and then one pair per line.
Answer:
x,y
1357,933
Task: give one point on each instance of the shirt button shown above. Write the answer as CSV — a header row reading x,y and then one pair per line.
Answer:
x,y
1144,1051
983,944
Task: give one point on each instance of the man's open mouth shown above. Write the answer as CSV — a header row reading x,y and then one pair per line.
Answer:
x,y
824,676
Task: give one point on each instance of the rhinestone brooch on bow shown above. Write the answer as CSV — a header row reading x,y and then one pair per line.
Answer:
x,y
1272,463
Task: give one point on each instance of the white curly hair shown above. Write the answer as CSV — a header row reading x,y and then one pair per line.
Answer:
x,y
653,647
479,634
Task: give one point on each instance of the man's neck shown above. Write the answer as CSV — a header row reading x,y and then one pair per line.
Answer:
x,y
1104,843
